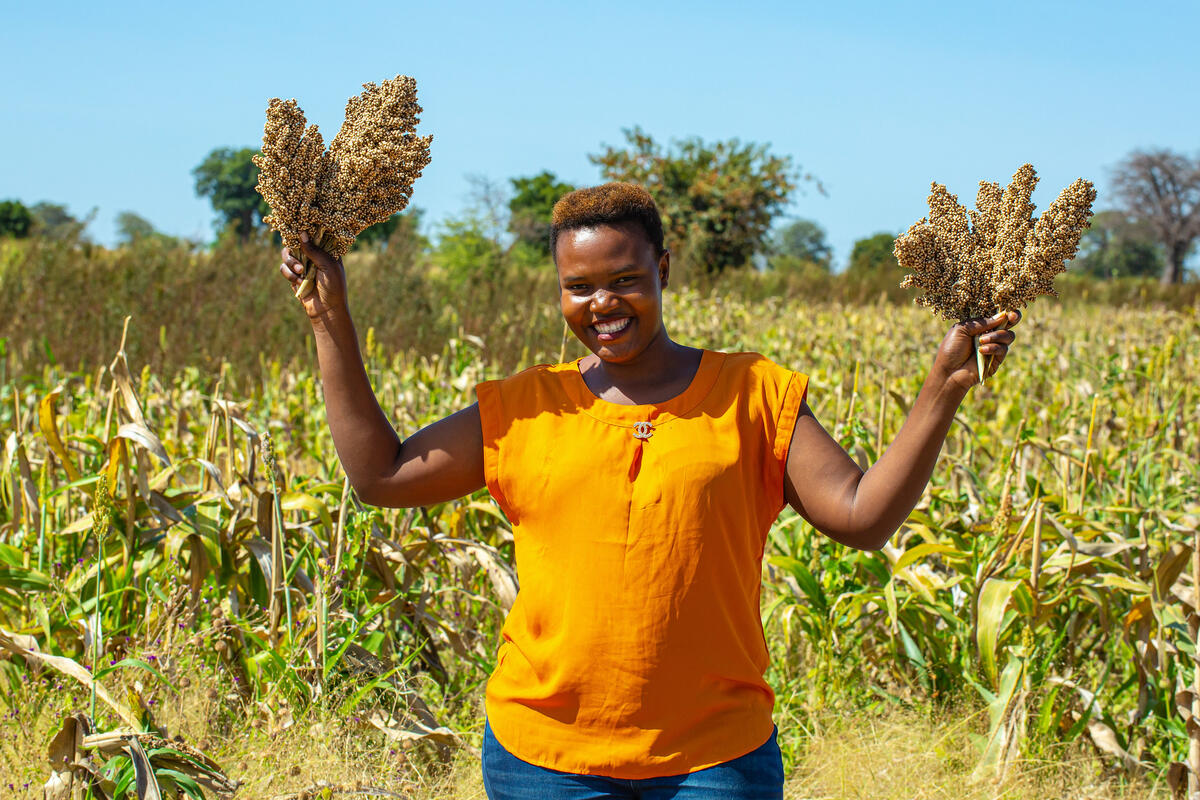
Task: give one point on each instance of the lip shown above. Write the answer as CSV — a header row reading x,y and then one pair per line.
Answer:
x,y
612,337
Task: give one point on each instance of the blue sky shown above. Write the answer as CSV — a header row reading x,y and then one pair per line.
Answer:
x,y
111,105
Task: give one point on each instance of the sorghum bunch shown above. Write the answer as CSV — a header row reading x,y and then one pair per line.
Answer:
x,y
997,257
292,160
364,177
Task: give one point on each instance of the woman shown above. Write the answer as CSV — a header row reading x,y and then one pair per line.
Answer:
x,y
640,481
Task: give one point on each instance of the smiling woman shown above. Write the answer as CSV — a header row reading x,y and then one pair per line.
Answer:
x,y
640,481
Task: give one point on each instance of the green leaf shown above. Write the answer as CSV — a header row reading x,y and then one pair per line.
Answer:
x,y
28,580
136,663
922,551
993,601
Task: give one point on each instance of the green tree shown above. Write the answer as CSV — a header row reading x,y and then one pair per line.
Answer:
x,y
404,225
718,199
133,228
227,177
1161,189
15,219
872,254
53,221
530,208
1116,246
802,240
467,253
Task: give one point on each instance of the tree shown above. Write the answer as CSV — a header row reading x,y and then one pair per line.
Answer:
x,y
531,206
1161,188
803,240
15,219
404,225
1116,246
872,254
132,227
717,199
227,177
53,221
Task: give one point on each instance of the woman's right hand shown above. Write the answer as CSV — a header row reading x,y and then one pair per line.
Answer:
x,y
328,291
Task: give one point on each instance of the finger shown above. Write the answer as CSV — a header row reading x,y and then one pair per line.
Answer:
x,y
1005,337
979,325
995,360
289,273
1013,318
291,269
993,349
292,260
315,254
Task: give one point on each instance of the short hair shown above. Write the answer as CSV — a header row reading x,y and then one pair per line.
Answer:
x,y
608,204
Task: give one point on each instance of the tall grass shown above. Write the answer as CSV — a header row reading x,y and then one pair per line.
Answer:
x,y
65,302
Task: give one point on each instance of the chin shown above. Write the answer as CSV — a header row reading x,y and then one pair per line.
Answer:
x,y
617,355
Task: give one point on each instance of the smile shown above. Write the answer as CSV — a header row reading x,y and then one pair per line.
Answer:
x,y
613,326
608,330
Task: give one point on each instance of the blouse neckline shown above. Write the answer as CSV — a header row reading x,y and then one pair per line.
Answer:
x,y
701,384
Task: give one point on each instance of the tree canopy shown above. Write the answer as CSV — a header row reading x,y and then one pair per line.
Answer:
x,y
1116,246
804,240
53,221
133,227
530,207
15,219
227,177
1161,189
717,199
873,253
402,225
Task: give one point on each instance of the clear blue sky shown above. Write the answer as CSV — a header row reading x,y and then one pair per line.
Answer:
x,y
111,105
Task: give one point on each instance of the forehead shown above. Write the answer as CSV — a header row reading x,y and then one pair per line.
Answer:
x,y
604,246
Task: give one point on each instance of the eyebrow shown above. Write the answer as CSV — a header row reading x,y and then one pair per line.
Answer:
x,y
611,273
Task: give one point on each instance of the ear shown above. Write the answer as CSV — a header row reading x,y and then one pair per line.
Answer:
x,y
664,268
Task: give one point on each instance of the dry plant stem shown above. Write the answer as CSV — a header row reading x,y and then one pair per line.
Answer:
x,y
562,350
979,360
1005,312
1194,630
310,271
1035,570
1087,453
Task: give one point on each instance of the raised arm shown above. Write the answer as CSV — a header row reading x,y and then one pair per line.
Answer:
x,y
440,462
863,509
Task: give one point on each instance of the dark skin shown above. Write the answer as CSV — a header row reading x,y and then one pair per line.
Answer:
x,y
611,280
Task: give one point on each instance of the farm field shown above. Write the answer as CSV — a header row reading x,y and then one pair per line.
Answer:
x,y
1025,634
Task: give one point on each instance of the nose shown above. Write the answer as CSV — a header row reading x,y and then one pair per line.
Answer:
x,y
603,300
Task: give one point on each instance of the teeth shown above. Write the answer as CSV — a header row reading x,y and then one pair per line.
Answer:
x,y
612,327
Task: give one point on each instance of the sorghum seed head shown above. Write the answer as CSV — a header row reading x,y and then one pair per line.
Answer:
x,y
1003,258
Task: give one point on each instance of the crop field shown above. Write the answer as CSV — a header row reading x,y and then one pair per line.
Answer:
x,y
181,555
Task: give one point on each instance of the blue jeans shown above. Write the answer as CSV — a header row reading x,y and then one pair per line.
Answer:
x,y
758,775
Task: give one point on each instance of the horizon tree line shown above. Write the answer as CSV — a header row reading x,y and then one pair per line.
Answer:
x,y
723,201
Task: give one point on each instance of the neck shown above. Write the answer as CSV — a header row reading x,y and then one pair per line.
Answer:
x,y
663,365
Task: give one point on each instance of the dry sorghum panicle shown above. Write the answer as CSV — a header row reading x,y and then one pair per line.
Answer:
x,y
289,167
374,159
364,177
1002,258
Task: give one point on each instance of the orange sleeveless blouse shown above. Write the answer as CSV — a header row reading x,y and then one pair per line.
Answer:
x,y
635,646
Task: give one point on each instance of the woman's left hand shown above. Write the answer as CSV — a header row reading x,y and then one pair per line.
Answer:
x,y
955,358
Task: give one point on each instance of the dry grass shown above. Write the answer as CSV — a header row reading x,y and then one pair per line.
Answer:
x,y
883,754
908,756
